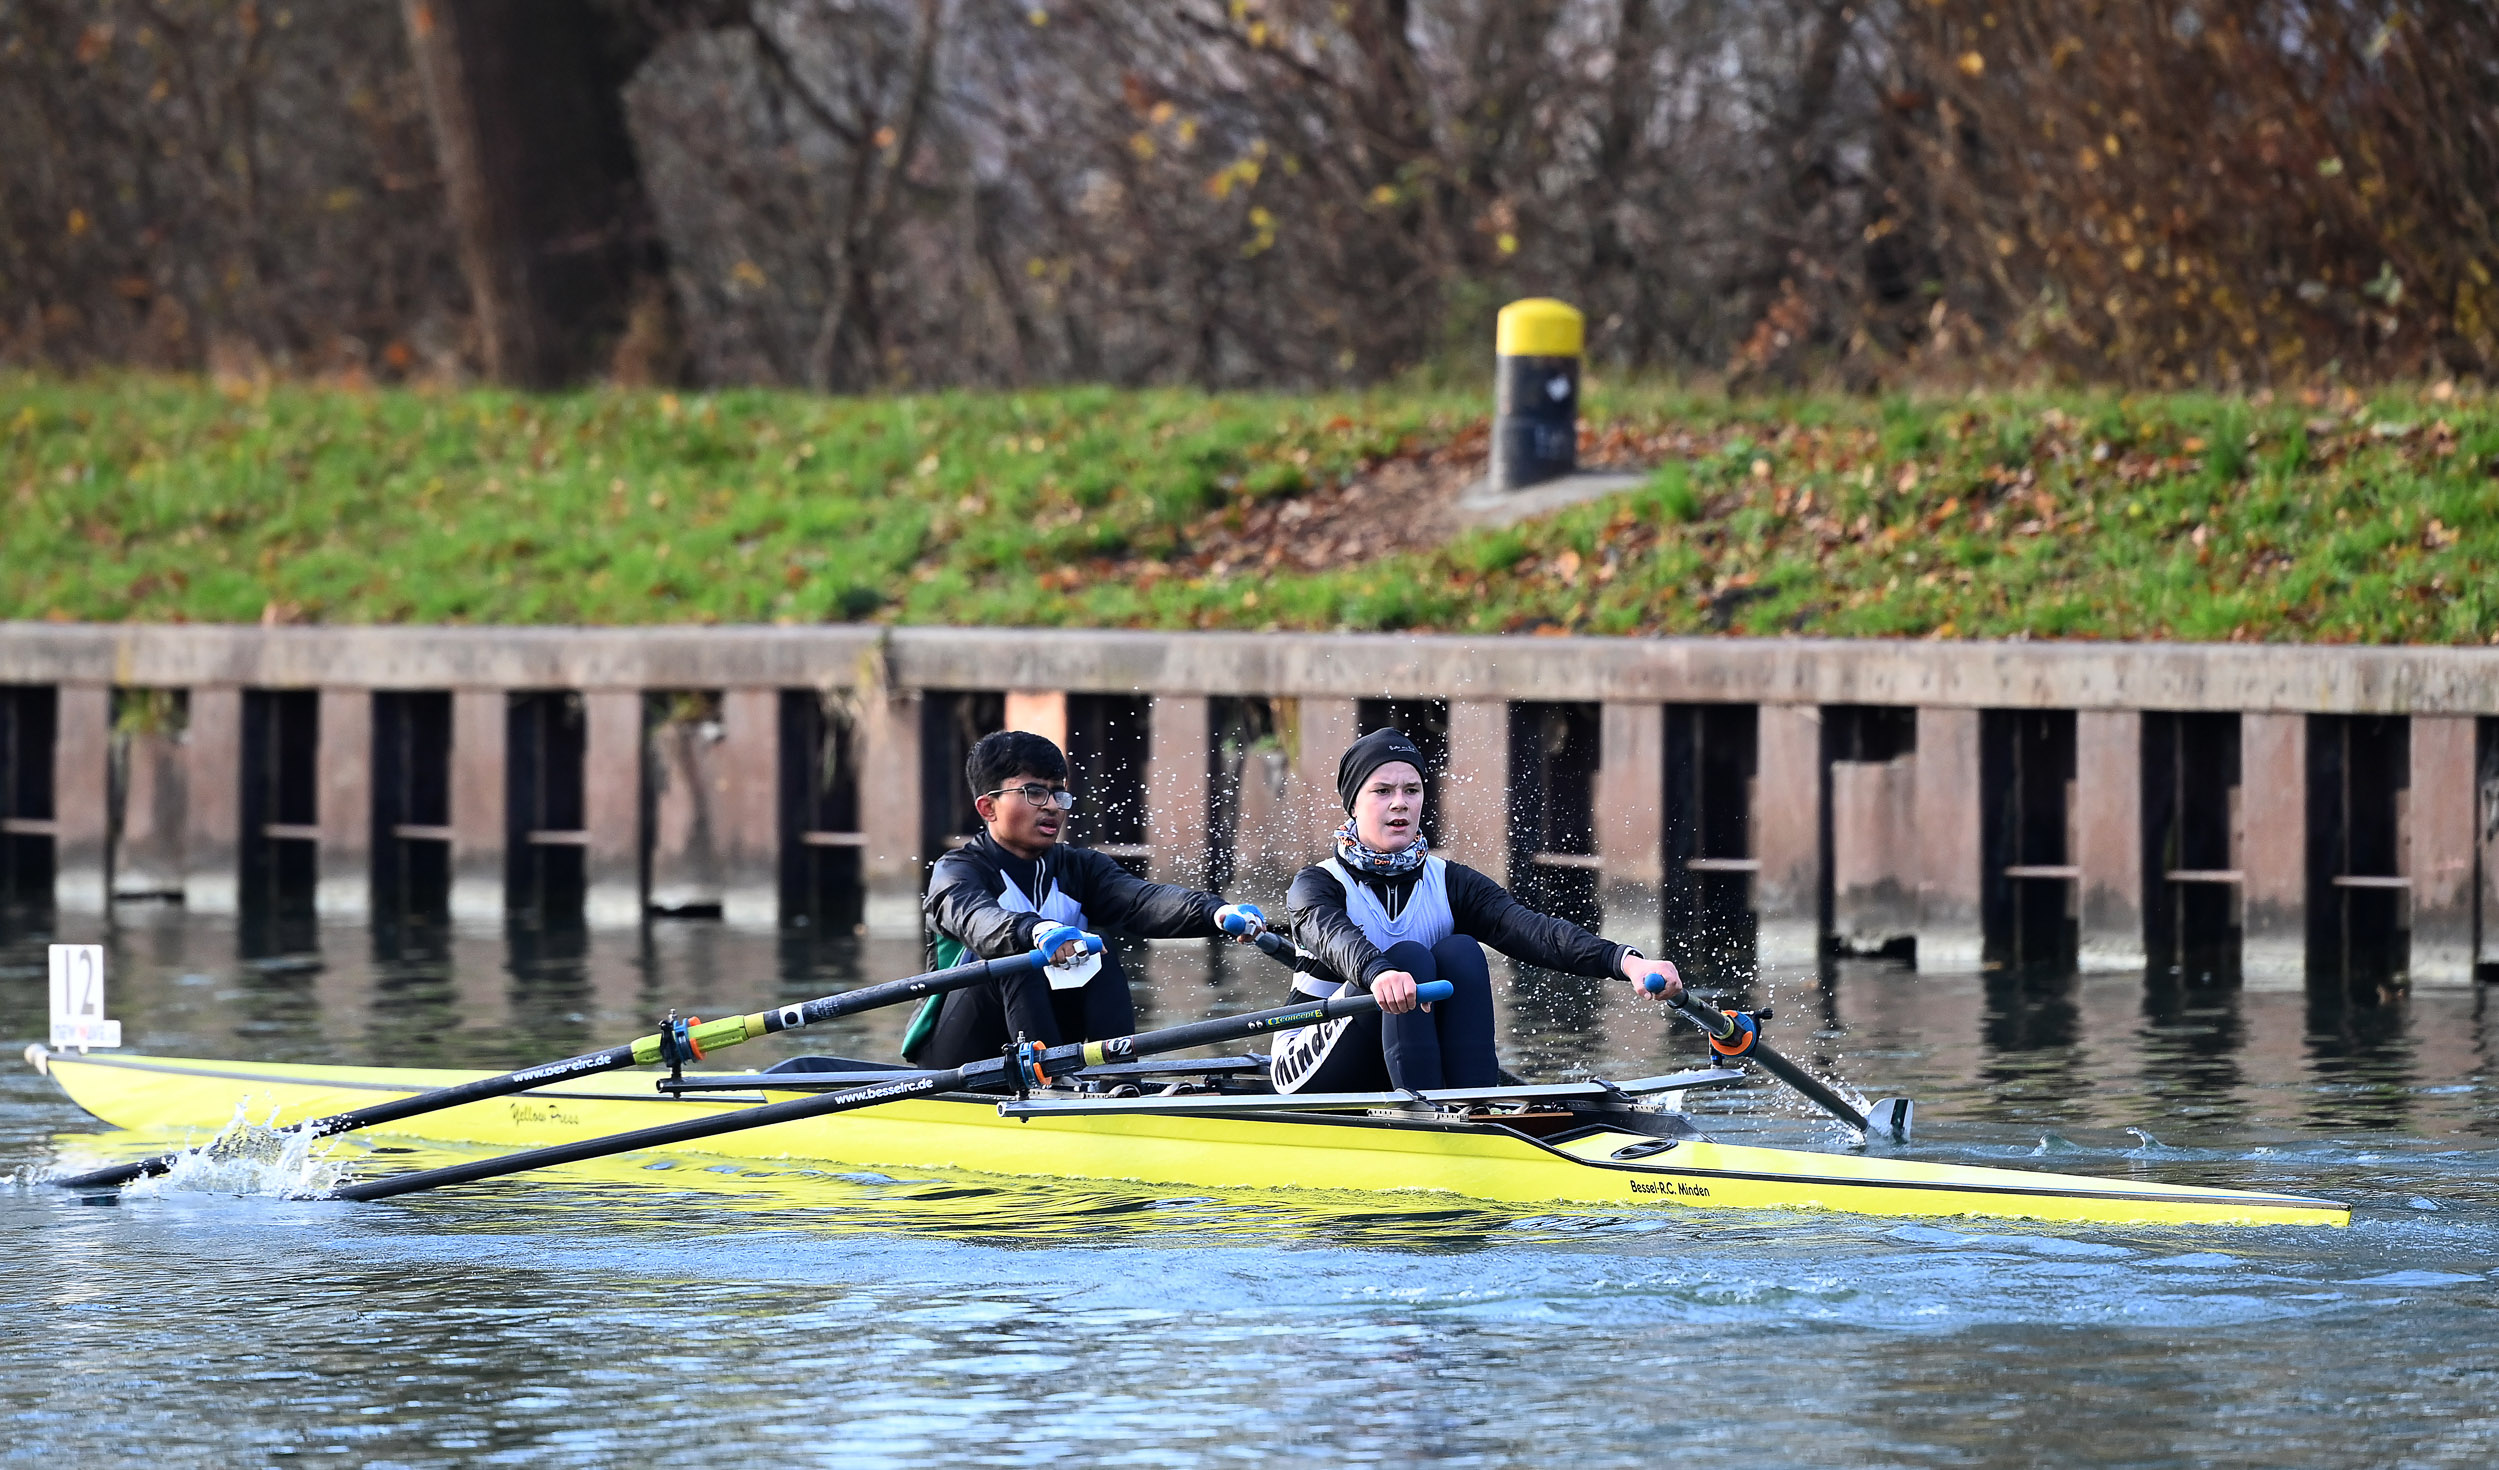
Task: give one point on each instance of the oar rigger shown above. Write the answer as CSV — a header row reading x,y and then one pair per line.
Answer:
x,y
1736,1036
1025,1066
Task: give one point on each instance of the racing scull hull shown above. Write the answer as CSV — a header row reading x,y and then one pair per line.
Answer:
x,y
167,1097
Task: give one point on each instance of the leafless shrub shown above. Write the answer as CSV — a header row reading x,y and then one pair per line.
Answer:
x,y
2223,191
863,194
1277,191
183,173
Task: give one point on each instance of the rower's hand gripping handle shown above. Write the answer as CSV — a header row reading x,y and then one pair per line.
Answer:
x,y
1049,939
1052,940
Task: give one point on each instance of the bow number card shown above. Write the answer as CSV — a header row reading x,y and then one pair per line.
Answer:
x,y
78,998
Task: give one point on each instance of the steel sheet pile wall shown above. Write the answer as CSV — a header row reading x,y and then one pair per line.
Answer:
x,y
2269,810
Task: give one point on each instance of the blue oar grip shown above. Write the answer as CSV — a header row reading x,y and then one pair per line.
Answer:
x,y
1047,940
1435,990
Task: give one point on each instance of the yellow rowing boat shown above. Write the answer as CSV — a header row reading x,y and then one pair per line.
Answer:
x,y
1579,1144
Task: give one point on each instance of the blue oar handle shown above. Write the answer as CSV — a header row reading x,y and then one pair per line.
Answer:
x,y
1049,941
1435,990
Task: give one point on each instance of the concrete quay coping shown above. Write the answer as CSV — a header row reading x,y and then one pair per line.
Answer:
x,y
1809,671
1486,504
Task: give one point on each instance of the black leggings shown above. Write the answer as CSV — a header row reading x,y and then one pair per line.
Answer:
x,y
980,1019
1450,1045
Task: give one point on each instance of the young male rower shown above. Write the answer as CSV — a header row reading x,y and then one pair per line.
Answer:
x,y
1383,915
993,895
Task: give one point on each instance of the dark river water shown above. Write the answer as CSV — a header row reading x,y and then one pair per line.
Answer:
x,y
758,1320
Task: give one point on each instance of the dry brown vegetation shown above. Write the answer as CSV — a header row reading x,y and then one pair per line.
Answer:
x,y
1381,507
2217,192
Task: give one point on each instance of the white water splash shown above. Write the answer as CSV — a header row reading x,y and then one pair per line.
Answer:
x,y
248,1158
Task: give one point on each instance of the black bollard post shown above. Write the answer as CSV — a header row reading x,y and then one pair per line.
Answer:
x,y
1535,428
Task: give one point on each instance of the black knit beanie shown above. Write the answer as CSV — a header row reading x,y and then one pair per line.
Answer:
x,y
1372,751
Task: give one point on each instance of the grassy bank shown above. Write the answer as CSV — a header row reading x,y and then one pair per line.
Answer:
x,y
2336,518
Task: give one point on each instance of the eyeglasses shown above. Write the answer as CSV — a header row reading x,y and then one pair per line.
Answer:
x,y
1040,795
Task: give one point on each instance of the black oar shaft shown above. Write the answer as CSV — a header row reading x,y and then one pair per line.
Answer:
x,y
894,992
660,1136
614,1058
1053,1061
1813,1088
1723,1027
115,1175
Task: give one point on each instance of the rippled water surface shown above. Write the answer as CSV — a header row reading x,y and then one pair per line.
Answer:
x,y
759,1317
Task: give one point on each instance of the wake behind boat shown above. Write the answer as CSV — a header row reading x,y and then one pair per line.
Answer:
x,y
1193,1124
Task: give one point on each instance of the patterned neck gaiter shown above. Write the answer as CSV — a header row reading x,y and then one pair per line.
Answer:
x,y
1354,853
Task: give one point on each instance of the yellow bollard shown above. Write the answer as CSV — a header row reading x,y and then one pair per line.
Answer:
x,y
1535,427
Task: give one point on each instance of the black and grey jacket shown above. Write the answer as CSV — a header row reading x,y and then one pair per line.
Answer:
x,y
962,903
1485,912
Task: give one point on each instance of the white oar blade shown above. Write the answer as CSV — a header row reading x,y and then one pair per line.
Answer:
x,y
1892,1118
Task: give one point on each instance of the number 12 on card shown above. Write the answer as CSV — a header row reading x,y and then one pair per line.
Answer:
x,y
78,998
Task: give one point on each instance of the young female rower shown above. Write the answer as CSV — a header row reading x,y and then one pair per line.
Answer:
x,y
1383,915
988,899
